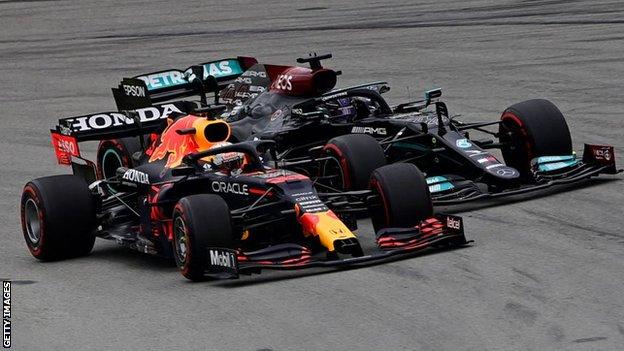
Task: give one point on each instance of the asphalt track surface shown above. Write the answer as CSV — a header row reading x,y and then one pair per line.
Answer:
x,y
544,273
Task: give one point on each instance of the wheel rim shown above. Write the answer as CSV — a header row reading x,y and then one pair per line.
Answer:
x,y
33,223
110,162
181,240
332,173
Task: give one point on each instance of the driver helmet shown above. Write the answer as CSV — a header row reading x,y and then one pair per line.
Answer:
x,y
227,162
346,108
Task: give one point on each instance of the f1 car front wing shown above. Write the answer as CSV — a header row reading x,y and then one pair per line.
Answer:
x,y
597,159
392,243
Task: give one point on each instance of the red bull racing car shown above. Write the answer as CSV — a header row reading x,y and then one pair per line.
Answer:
x,y
219,209
339,136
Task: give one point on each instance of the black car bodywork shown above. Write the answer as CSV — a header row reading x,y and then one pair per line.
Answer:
x,y
458,168
298,108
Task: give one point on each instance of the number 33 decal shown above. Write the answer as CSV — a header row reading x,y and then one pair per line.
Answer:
x,y
284,82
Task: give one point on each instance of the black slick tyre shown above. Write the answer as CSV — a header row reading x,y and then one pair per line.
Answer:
x,y
530,129
199,221
58,215
354,157
404,196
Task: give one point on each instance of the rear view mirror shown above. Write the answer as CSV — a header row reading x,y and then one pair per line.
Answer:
x,y
431,95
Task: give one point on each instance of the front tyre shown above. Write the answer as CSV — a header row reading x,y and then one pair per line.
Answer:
x,y
58,215
530,129
404,196
199,221
352,160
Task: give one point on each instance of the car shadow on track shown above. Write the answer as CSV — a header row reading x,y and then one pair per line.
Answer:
x,y
487,203
134,259
114,253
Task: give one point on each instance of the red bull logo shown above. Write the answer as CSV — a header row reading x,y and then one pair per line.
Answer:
x,y
190,134
173,145
197,134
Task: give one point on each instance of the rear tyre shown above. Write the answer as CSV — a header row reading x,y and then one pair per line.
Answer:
x,y
199,221
354,157
115,153
405,197
58,216
531,129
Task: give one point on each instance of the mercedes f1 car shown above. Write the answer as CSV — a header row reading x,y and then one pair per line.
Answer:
x,y
302,112
339,136
219,209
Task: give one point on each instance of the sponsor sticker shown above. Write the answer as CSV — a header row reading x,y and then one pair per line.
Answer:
x,y
252,73
333,96
436,179
602,153
116,119
133,90
487,159
545,159
506,172
222,262
369,130
436,188
135,176
453,222
163,80
284,82
65,146
229,187
463,143
222,258
310,203
438,183
553,166
222,69
174,78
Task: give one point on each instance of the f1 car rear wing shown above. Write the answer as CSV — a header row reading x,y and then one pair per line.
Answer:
x,y
135,97
171,84
109,125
